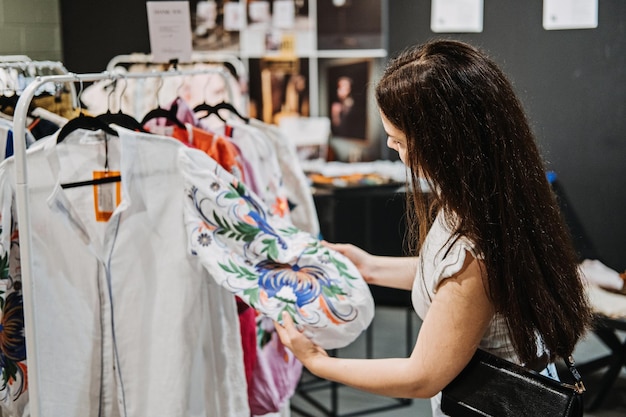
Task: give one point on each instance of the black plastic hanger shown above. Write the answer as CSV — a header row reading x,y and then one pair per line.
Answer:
x,y
209,109
82,121
121,119
8,102
216,108
104,180
92,123
169,115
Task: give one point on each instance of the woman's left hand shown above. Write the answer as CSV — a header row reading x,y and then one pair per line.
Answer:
x,y
305,350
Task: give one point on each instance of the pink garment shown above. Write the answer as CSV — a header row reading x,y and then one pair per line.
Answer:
x,y
276,374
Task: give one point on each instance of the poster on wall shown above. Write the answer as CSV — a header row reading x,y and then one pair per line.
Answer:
x,y
252,27
277,26
279,87
216,24
350,24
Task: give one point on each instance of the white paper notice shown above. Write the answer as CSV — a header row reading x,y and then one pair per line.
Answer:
x,y
456,16
284,14
570,14
234,16
169,25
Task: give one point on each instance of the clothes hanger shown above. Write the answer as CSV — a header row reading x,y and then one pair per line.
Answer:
x,y
83,121
120,118
224,105
8,102
214,109
160,112
209,111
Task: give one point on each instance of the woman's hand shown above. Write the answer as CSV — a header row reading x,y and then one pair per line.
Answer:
x,y
305,350
361,259
385,271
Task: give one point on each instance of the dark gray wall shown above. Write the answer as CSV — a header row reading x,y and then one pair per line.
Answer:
x,y
572,83
573,86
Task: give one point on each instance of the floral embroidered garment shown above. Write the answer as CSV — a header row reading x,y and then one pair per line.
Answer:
x,y
268,262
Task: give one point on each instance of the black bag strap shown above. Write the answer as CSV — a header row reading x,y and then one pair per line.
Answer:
x,y
578,385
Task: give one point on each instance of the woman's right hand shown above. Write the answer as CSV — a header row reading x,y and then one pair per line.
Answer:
x,y
386,271
360,258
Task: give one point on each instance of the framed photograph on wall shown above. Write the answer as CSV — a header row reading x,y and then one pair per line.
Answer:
x,y
347,98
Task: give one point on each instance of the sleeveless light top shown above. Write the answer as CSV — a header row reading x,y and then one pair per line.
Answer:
x,y
442,255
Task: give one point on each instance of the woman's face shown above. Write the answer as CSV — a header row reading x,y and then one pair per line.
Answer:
x,y
396,139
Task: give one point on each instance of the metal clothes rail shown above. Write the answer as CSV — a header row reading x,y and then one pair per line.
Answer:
x,y
22,200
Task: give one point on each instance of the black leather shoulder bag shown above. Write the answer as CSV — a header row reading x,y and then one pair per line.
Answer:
x,y
492,386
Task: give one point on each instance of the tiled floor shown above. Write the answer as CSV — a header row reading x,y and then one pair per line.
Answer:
x,y
389,340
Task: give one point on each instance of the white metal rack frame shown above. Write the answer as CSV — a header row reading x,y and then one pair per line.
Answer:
x,y
22,200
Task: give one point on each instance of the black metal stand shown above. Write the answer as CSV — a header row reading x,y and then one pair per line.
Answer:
x,y
605,328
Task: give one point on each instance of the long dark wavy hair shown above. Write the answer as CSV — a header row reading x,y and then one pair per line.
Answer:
x,y
468,136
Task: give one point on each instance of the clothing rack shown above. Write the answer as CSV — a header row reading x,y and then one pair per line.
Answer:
x,y
26,65
23,214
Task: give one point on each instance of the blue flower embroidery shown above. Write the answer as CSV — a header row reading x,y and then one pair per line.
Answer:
x,y
302,285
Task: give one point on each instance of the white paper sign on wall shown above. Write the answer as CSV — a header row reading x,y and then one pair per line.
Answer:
x,y
570,14
456,16
169,26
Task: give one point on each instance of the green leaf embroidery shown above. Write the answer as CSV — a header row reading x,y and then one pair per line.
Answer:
x,y
4,266
238,271
333,291
252,295
270,248
239,231
342,268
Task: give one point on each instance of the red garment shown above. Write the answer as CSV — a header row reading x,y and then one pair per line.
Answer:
x,y
247,328
217,147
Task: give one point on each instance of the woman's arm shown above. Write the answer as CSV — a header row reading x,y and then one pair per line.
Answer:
x,y
451,331
385,271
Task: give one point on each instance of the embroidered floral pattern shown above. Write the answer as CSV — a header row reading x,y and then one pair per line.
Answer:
x,y
13,380
269,263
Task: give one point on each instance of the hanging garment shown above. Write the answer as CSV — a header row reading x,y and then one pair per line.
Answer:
x,y
302,207
14,375
217,147
261,155
265,260
141,326
6,139
276,374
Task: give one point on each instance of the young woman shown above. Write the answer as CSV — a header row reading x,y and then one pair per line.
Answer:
x,y
494,266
